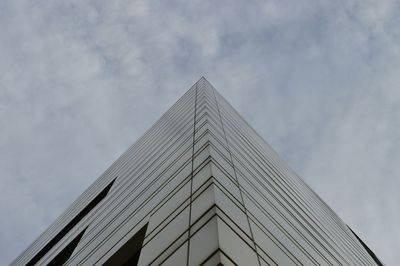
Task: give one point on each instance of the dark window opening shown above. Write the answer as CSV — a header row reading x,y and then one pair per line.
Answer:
x,y
372,254
71,224
129,253
66,253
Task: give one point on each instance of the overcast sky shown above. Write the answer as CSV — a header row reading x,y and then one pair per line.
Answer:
x,y
81,80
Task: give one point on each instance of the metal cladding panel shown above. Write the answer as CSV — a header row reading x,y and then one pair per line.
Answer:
x,y
206,189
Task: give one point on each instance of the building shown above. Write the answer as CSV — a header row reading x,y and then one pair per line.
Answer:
x,y
199,187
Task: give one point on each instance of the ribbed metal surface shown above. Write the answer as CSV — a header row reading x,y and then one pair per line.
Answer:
x,y
211,191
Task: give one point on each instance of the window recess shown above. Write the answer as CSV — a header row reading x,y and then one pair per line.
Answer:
x,y
92,204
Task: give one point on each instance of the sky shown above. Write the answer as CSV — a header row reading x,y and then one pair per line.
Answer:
x,y
81,80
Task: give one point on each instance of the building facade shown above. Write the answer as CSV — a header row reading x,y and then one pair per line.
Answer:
x,y
200,187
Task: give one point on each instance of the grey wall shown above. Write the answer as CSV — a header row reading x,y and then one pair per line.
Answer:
x,y
211,190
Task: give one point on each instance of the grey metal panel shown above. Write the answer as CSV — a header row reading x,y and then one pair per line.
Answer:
x,y
211,191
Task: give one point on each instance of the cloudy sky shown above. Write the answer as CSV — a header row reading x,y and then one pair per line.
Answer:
x,y
81,80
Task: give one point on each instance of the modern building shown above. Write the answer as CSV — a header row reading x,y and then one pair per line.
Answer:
x,y
200,187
